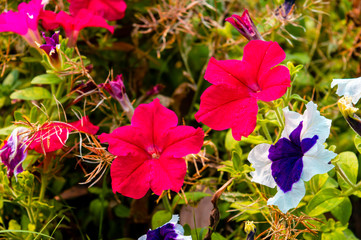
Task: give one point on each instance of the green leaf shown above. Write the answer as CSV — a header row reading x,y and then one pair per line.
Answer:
x,y
236,160
192,197
11,78
46,79
122,211
343,211
7,130
357,142
348,162
160,218
217,236
32,93
324,201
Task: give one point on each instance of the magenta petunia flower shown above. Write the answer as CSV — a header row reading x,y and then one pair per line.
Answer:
x,y
53,135
108,9
23,22
72,24
231,102
150,151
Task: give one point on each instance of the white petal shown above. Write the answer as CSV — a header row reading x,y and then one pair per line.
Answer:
x,y
315,124
175,219
316,161
143,237
292,120
349,87
261,163
286,201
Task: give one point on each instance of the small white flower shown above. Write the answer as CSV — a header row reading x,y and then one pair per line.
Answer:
x,y
295,158
348,87
170,230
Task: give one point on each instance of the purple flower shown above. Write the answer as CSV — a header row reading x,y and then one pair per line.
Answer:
x,y
168,231
285,10
245,26
51,48
13,151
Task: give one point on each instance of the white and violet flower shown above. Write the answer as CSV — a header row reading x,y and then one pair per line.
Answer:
x,y
296,157
348,87
170,230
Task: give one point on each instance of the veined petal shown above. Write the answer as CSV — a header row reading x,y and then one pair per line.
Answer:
x,y
292,121
183,140
167,173
131,175
154,120
274,84
223,106
262,165
348,87
262,56
315,124
316,161
286,201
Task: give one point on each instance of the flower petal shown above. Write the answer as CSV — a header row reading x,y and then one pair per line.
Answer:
x,y
316,161
84,125
223,106
167,173
262,165
349,87
315,124
286,201
292,121
183,140
131,175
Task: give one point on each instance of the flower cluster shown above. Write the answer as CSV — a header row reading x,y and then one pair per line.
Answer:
x,y
295,158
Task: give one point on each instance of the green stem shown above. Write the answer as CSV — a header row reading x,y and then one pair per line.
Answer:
x,y
44,184
353,187
265,129
166,203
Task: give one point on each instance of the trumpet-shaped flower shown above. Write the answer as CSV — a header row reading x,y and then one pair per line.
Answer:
x,y
170,230
150,151
51,49
72,24
348,87
245,26
231,102
295,158
108,9
53,135
13,151
23,22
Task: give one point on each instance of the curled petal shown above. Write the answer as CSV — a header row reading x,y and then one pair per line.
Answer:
x,y
348,87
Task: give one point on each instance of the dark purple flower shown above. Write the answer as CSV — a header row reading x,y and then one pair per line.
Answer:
x,y
13,151
245,26
51,48
285,10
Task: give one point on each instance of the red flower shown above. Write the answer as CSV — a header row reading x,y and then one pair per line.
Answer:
x,y
150,151
72,24
53,135
108,9
232,101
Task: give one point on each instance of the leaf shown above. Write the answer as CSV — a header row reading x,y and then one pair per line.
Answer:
x,y
11,78
236,161
357,142
192,197
160,218
32,93
348,162
7,130
343,211
217,236
122,211
324,201
46,79
230,142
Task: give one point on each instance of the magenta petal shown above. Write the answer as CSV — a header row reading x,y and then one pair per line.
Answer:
x,y
262,56
126,140
49,20
154,120
168,173
13,22
274,84
84,125
131,175
183,140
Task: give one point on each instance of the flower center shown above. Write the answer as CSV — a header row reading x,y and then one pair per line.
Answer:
x,y
154,152
286,156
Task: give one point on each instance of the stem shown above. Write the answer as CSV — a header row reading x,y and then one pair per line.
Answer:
x,y
166,203
185,61
265,129
280,118
353,187
44,183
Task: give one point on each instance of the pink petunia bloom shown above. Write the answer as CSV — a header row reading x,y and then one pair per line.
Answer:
x,y
53,135
231,102
72,24
150,151
108,9
23,22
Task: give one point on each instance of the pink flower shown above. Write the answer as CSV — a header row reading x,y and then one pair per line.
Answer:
x,y
53,135
150,151
24,22
232,101
245,26
72,24
108,9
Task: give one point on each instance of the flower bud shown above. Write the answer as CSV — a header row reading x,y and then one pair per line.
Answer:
x,y
349,113
245,26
